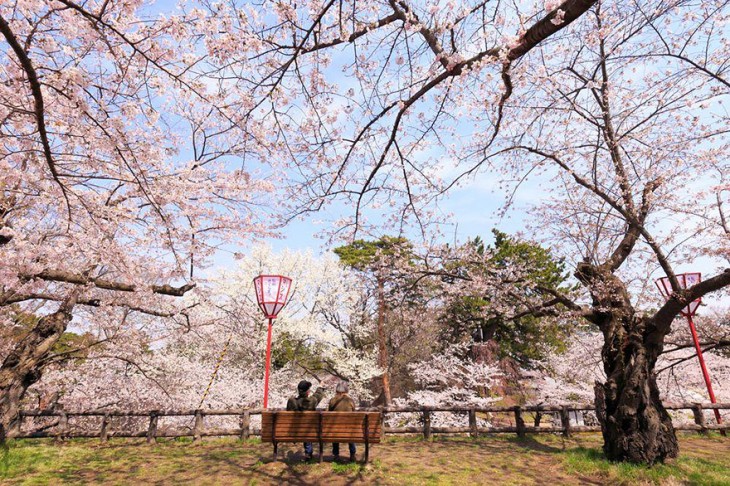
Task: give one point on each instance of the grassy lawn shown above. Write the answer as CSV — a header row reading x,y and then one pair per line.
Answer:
x,y
540,459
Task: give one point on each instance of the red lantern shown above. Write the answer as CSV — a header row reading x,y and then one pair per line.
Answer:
x,y
271,294
686,280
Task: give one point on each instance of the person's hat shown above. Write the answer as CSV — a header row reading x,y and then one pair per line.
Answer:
x,y
303,386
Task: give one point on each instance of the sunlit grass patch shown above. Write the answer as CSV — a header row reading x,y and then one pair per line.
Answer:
x,y
46,461
346,468
403,438
685,469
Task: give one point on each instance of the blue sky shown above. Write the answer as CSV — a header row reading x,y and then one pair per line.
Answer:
x,y
474,209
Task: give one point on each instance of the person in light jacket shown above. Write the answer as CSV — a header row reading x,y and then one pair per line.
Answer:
x,y
342,402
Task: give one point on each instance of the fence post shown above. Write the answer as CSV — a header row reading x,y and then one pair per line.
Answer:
x,y
198,427
104,434
152,429
538,418
63,424
245,425
519,422
426,424
565,420
14,430
699,418
473,431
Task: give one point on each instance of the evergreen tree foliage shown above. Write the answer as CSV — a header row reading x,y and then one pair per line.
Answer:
x,y
529,339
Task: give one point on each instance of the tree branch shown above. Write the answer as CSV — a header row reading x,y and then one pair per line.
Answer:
x,y
545,27
38,110
662,320
77,279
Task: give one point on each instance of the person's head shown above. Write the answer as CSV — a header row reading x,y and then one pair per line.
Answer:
x,y
303,387
342,387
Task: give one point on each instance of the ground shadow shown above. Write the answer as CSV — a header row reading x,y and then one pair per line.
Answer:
x,y
529,442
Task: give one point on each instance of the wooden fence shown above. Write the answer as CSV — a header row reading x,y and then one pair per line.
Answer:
x,y
516,417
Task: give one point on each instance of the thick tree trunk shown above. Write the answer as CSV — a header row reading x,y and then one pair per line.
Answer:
x,y
22,367
636,427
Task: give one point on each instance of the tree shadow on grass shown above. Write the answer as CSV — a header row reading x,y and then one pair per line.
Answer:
x,y
564,445
529,442
493,442
297,469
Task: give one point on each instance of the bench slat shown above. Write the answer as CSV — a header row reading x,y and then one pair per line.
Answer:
x,y
313,436
312,417
336,427
339,433
336,438
281,431
325,426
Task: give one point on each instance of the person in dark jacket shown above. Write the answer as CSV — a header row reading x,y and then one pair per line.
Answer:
x,y
303,401
342,402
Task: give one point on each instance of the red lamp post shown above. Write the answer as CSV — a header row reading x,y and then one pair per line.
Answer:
x,y
271,294
688,280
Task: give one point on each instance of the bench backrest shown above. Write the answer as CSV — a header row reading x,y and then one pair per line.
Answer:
x,y
358,427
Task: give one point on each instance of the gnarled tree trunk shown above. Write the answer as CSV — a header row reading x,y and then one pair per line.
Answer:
x,y
635,425
22,367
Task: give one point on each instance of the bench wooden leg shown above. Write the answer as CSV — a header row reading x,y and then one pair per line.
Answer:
x,y
367,438
273,436
319,434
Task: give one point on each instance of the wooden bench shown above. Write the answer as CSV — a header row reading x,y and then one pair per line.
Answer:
x,y
321,427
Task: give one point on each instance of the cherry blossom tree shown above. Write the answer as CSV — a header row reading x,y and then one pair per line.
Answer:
x,y
450,378
570,376
324,331
615,105
129,376
121,170
679,375
218,361
646,141
521,341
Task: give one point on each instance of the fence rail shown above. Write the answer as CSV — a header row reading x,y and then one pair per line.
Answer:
x,y
61,428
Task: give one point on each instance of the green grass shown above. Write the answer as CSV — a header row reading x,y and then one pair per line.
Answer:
x,y
692,470
43,464
503,459
346,468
